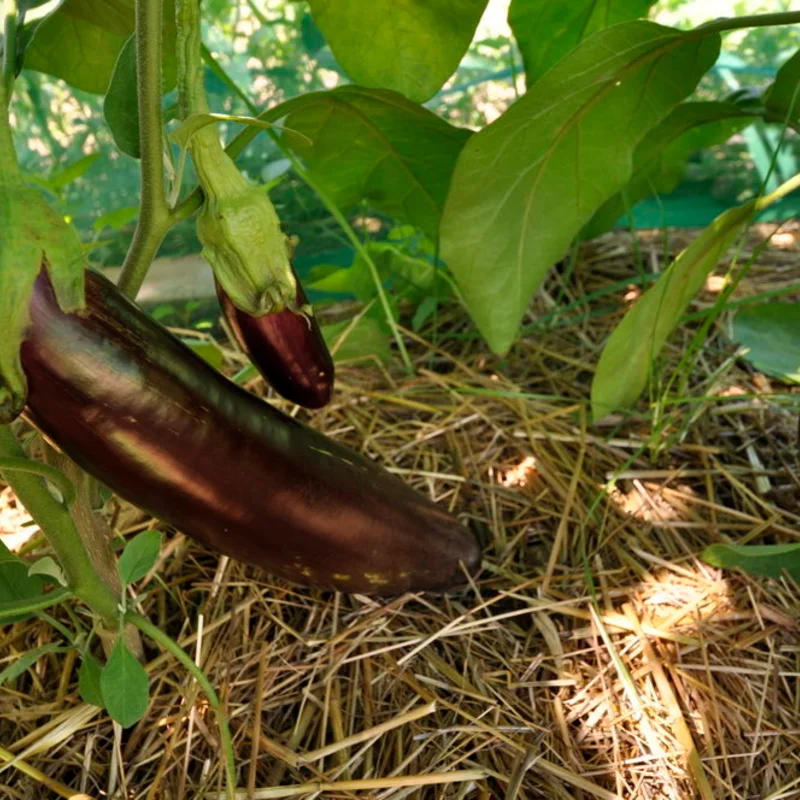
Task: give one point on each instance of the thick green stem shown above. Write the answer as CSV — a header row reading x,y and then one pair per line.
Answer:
x,y
155,218
58,479
11,13
57,525
157,635
749,21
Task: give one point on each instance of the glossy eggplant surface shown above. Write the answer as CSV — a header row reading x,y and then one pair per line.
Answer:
x,y
145,415
287,348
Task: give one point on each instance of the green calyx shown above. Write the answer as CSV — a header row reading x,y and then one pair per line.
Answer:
x,y
41,238
241,234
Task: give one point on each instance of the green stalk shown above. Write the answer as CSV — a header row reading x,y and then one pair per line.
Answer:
x,y
57,525
155,218
171,646
9,44
58,479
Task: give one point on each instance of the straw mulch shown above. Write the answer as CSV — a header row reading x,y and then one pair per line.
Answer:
x,y
595,655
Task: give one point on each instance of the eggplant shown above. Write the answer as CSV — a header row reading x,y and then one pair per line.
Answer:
x,y
287,348
139,411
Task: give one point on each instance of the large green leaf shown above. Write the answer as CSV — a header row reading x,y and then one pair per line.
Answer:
x,y
81,41
411,46
659,162
624,366
120,108
771,560
546,31
782,99
770,338
525,186
376,145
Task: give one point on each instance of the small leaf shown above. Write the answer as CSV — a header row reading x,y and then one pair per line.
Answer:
x,y
71,173
139,556
424,311
48,567
89,676
366,338
625,363
16,585
770,338
116,219
27,660
412,47
124,686
207,350
770,560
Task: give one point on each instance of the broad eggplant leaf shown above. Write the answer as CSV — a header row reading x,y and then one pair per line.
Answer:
x,y
525,186
659,162
769,336
81,40
368,144
546,31
120,107
124,686
412,47
624,367
782,99
770,560
41,238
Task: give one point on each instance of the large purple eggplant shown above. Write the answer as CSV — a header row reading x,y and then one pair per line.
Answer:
x,y
141,412
287,348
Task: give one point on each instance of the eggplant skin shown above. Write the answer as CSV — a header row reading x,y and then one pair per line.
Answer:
x,y
137,409
287,348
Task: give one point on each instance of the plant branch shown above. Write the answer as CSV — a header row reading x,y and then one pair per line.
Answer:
x,y
748,21
157,635
11,13
155,218
58,479
58,526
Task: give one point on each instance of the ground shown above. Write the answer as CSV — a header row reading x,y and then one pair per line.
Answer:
x,y
595,655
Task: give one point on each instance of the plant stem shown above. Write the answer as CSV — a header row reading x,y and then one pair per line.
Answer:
x,y
57,525
11,13
155,218
157,635
58,479
749,21
16,608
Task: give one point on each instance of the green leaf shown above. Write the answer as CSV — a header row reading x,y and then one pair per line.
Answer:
x,y
770,560
365,144
40,237
207,350
546,31
366,338
782,99
525,186
116,219
424,312
769,336
89,675
659,161
412,47
81,40
26,661
139,556
120,107
47,567
625,363
16,585
71,173
124,686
